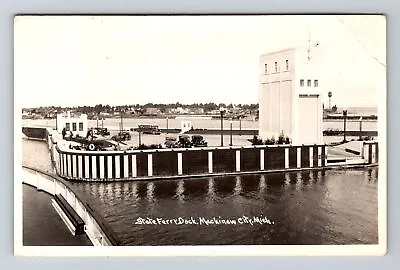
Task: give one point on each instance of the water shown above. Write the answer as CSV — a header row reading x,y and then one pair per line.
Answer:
x,y
328,207
317,207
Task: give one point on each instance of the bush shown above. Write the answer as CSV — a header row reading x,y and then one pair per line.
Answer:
x,y
256,141
281,139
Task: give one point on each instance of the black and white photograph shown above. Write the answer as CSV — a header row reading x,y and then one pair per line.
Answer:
x,y
200,135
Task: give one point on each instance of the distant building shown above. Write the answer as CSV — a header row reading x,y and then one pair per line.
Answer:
x,y
290,100
152,111
77,124
186,126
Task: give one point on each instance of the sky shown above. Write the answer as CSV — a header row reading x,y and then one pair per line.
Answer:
x,y
118,60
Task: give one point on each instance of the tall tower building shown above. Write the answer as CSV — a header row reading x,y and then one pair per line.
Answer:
x,y
290,96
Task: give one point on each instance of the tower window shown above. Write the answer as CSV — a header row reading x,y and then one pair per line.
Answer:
x,y
276,66
287,65
308,83
266,69
301,82
315,83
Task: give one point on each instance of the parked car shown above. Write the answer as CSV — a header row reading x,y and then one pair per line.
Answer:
x,y
184,141
198,141
148,129
121,136
170,142
101,131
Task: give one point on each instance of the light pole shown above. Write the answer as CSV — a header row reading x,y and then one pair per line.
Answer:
x,y
140,139
360,127
231,122
344,124
240,125
167,124
122,123
222,110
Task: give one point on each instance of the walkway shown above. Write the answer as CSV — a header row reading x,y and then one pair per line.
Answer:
x,y
42,226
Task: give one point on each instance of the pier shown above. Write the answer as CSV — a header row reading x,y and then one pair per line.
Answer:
x,y
80,165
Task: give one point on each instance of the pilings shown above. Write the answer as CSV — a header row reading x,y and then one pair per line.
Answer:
x,y
145,164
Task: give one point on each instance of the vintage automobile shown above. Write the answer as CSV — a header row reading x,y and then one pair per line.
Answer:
x,y
170,142
198,141
184,141
101,131
121,136
148,129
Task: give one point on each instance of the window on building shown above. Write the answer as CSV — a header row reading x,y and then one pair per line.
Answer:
x,y
266,68
276,66
301,82
81,126
67,126
287,65
308,83
315,83
73,126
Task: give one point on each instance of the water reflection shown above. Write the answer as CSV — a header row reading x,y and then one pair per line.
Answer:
x,y
99,189
299,181
238,186
150,191
262,185
180,190
211,188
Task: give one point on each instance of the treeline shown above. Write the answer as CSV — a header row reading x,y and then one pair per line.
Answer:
x,y
207,107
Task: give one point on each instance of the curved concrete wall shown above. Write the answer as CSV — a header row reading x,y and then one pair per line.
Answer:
x,y
95,229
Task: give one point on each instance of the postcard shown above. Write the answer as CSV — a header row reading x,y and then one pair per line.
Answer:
x,y
200,135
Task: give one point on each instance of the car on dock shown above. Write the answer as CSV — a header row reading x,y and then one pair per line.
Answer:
x,y
122,136
184,141
170,142
148,129
198,141
101,131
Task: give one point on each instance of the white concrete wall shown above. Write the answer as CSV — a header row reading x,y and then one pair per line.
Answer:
x,y
63,119
281,109
276,94
310,115
185,126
